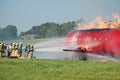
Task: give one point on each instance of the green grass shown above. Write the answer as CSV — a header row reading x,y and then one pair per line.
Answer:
x,y
16,69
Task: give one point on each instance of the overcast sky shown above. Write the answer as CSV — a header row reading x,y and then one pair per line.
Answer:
x,y
27,13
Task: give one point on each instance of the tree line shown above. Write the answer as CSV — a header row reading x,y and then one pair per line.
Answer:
x,y
45,30
8,33
51,29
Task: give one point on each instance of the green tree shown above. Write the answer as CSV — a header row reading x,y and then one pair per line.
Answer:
x,y
67,27
51,29
9,32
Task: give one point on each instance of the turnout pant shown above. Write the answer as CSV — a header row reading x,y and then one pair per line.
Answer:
x,y
0,54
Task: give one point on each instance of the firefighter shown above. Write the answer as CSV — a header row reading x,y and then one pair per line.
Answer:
x,y
13,46
27,50
5,49
9,49
13,50
31,51
20,49
16,51
0,50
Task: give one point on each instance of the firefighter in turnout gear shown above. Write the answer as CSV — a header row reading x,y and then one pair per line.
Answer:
x,y
9,49
20,49
13,50
27,50
0,50
13,46
16,51
31,51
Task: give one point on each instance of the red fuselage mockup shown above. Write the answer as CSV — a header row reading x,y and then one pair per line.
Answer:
x,y
98,41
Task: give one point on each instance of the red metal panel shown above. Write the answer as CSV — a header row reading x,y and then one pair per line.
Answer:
x,y
101,41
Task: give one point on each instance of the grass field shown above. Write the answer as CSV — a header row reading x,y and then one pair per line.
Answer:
x,y
16,69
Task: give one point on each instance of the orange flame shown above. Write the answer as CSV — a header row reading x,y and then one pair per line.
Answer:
x,y
100,23
85,46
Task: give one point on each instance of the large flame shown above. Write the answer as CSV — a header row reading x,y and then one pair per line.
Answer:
x,y
100,23
85,46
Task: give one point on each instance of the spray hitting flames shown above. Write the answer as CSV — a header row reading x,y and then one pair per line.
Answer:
x,y
100,23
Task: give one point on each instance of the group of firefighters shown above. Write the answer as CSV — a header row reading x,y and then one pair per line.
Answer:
x,y
14,50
